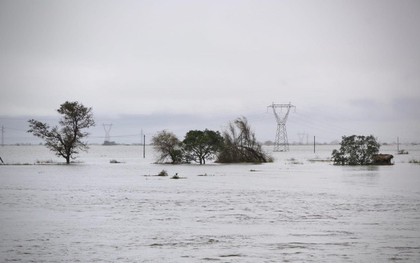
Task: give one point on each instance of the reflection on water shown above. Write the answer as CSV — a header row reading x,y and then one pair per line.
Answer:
x,y
296,211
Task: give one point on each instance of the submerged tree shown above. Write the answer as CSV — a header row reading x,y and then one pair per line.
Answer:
x,y
66,140
201,145
168,146
356,150
240,144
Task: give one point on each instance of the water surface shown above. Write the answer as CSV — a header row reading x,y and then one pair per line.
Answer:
x,y
294,209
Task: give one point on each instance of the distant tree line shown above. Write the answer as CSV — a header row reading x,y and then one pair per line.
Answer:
x,y
237,144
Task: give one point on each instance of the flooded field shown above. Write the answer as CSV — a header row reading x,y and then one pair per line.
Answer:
x,y
299,208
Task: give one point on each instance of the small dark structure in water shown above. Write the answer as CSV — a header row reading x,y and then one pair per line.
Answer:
x,y
382,159
109,143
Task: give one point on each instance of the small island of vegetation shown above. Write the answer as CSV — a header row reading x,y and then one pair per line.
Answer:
x,y
238,144
360,150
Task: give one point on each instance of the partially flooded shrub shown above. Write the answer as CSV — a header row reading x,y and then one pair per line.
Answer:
x,y
241,146
205,174
168,146
163,173
44,161
294,161
356,150
176,176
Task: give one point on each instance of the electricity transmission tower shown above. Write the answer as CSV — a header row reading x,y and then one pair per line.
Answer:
x,y
301,137
107,128
281,144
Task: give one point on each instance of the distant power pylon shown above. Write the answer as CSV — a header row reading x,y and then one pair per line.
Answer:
x,y
107,128
281,144
302,137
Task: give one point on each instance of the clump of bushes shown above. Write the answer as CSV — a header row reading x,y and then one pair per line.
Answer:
x,y
176,176
163,173
356,150
50,161
238,144
168,146
294,161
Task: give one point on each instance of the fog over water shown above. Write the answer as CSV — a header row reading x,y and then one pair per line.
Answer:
x,y
299,208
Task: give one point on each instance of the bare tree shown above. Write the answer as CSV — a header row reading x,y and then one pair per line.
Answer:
x,y
168,146
240,144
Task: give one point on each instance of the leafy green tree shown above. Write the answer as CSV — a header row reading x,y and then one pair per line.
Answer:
x,y
66,140
168,146
202,145
240,144
356,150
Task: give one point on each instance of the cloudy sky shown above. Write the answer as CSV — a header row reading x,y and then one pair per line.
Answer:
x,y
349,67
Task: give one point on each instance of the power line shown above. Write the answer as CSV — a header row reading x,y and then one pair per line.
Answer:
x,y
119,136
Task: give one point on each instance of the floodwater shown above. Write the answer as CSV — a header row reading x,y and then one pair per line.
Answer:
x,y
292,210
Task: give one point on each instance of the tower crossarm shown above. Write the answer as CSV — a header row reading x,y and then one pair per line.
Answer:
x,y
279,117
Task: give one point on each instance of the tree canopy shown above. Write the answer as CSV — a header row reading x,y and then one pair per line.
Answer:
x,y
356,150
66,140
202,145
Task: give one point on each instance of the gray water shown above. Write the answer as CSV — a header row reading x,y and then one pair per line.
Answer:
x,y
292,210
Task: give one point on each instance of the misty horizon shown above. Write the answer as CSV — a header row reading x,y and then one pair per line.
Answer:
x,y
349,67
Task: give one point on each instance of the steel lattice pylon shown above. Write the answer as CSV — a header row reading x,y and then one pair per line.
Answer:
x,y
107,128
281,143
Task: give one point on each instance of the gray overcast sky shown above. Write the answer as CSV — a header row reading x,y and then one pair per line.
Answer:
x,y
348,66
